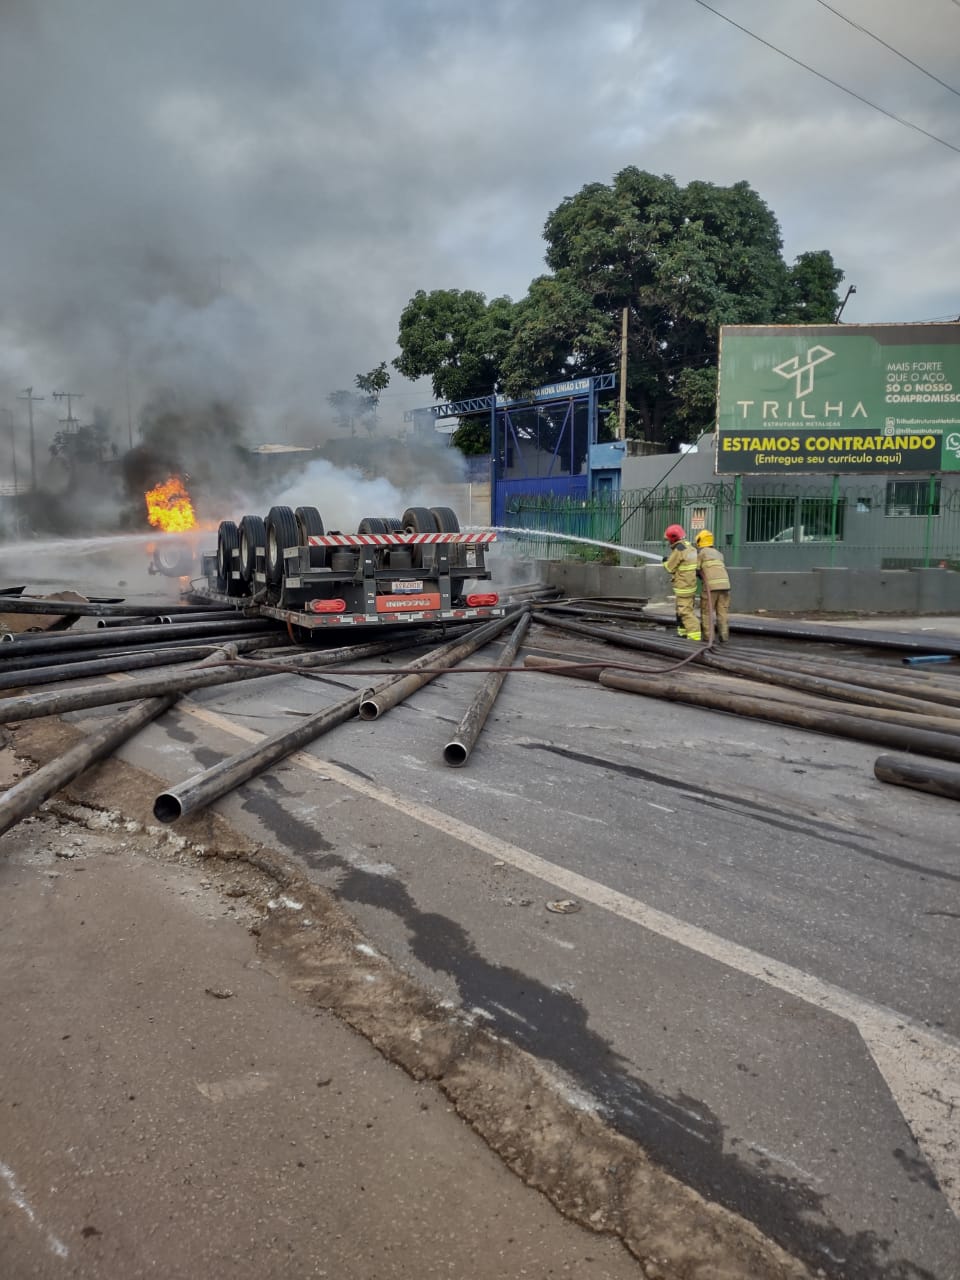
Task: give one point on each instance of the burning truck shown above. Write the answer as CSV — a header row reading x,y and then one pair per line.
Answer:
x,y
418,567
176,551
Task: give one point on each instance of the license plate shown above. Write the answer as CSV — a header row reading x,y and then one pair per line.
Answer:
x,y
404,588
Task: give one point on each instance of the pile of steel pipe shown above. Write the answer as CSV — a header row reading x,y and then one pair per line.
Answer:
x,y
855,637
202,789
97,609
26,796
59,702
910,712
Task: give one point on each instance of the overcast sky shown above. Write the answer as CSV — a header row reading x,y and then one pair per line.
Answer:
x,y
233,197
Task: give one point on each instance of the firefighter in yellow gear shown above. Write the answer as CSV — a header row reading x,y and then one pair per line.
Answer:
x,y
712,572
681,564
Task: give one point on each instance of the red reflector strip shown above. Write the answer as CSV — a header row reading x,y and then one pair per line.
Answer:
x,y
327,606
484,598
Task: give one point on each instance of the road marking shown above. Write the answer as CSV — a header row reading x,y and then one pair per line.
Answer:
x,y
23,1204
921,1067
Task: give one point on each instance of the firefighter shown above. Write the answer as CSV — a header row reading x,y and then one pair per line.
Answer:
x,y
716,586
681,564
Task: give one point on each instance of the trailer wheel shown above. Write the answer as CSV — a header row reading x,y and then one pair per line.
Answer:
x,y
446,519
282,532
228,542
173,558
253,534
393,525
420,520
372,524
311,526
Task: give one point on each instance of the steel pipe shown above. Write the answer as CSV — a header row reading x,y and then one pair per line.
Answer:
x,y
26,796
853,636
920,775
375,702
129,635
60,701
267,640
54,672
92,609
928,742
195,615
456,753
202,789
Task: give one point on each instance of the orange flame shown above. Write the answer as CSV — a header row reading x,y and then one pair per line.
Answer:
x,y
169,507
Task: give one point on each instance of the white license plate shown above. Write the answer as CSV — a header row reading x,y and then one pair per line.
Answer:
x,y
406,588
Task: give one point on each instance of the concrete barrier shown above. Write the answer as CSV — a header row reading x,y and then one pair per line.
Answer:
x,y
819,590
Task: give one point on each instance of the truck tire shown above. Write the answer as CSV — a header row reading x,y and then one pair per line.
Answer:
x,y
420,520
173,558
393,525
228,542
311,526
253,534
282,532
446,519
372,524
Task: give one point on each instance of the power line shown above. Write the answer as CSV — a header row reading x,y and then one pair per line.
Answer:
x,y
857,27
819,74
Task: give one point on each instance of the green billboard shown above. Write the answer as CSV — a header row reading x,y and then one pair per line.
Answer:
x,y
835,398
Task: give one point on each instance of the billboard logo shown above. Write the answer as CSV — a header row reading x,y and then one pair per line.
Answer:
x,y
953,442
803,373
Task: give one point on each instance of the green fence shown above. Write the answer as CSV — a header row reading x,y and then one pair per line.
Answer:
x,y
898,524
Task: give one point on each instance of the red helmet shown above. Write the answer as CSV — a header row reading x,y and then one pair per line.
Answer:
x,y
674,532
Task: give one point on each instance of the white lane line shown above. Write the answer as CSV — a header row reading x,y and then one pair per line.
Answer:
x,y
921,1067
23,1204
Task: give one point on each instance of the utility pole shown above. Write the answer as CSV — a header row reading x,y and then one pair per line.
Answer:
x,y
846,299
30,398
13,446
622,425
70,422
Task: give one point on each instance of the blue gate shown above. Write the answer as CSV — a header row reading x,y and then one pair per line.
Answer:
x,y
537,446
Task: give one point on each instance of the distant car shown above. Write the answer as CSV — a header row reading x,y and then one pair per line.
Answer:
x,y
806,534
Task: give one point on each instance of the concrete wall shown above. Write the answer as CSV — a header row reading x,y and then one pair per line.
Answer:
x,y
820,590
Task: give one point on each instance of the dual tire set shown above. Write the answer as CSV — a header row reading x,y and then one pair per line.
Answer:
x,y
239,545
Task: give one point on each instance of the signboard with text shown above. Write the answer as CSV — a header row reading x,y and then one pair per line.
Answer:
x,y
835,398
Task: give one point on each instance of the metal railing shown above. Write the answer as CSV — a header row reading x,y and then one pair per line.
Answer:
x,y
898,524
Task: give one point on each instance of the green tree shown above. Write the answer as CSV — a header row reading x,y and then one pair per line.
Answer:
x,y
457,339
681,260
372,385
812,289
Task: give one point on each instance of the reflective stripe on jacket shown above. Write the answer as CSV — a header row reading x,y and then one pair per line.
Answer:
x,y
681,564
713,570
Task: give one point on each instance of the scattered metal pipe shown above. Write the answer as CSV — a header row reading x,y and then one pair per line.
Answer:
x,y
841,690
59,701
562,667
94,609
854,636
945,746
26,796
195,615
920,775
54,672
456,753
202,789
267,640
375,702
129,635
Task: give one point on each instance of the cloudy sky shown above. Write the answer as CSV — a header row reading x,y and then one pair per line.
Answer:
x,y
233,197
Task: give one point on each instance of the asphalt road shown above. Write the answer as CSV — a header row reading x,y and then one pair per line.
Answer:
x,y
760,982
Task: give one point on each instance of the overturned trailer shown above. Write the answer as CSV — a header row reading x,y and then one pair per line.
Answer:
x,y
415,569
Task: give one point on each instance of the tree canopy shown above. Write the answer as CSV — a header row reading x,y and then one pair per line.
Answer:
x,y
682,261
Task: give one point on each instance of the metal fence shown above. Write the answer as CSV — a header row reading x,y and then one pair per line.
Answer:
x,y
898,524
